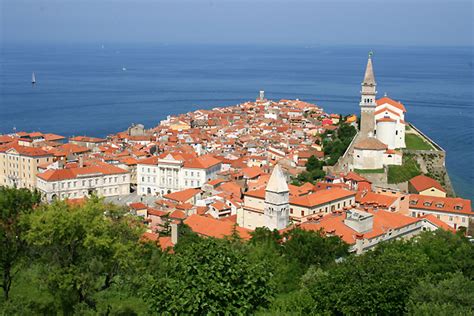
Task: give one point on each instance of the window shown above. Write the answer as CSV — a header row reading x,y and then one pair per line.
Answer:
x,y
302,213
291,211
450,218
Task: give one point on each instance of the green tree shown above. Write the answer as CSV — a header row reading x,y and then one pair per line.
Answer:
x,y
313,163
447,252
454,295
209,276
263,235
377,282
83,250
309,248
14,204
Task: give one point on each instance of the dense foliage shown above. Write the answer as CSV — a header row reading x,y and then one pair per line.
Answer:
x,y
88,260
209,276
13,205
334,145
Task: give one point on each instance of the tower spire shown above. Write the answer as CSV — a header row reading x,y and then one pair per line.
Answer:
x,y
369,77
367,101
276,209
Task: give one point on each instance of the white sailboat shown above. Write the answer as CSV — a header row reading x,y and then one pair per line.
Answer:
x,y
33,78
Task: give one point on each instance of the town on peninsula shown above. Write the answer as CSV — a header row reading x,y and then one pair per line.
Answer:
x,y
246,172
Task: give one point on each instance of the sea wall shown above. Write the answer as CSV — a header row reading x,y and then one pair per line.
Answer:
x,y
432,162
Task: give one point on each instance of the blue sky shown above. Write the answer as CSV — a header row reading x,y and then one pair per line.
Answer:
x,y
384,22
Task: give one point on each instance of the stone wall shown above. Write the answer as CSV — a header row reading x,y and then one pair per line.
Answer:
x,y
433,162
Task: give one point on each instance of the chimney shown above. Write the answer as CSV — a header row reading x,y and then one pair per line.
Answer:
x,y
174,233
81,161
359,244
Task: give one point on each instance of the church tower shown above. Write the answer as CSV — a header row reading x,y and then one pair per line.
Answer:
x,y
276,209
367,101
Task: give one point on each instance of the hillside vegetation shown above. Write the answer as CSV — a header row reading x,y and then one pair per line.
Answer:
x,y
408,170
90,260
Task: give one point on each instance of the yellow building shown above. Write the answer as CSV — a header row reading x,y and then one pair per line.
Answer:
x,y
19,165
424,185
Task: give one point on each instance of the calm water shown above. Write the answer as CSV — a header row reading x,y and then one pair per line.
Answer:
x,y
82,89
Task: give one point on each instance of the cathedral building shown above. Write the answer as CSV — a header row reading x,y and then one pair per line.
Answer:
x,y
382,127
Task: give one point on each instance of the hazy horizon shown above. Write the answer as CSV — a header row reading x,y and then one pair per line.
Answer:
x,y
266,22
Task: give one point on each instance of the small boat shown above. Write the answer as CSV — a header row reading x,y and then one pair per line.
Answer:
x,y
124,69
33,78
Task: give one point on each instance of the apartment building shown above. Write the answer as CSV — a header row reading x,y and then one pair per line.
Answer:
x,y
101,179
19,165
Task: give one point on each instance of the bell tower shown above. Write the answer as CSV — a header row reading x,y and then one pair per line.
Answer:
x,y
276,209
367,101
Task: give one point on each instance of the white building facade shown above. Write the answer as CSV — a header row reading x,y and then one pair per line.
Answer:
x,y
83,181
170,174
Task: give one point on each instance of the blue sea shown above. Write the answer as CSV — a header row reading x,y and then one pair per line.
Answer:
x,y
100,89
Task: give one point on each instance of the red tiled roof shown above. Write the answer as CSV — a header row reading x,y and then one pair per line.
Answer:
x,y
382,222
441,204
355,177
422,182
211,227
202,162
182,196
87,139
372,198
72,173
137,206
394,103
155,212
321,197
25,150
178,214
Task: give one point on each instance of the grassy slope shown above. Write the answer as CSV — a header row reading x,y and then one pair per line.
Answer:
x,y
415,142
365,171
408,170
